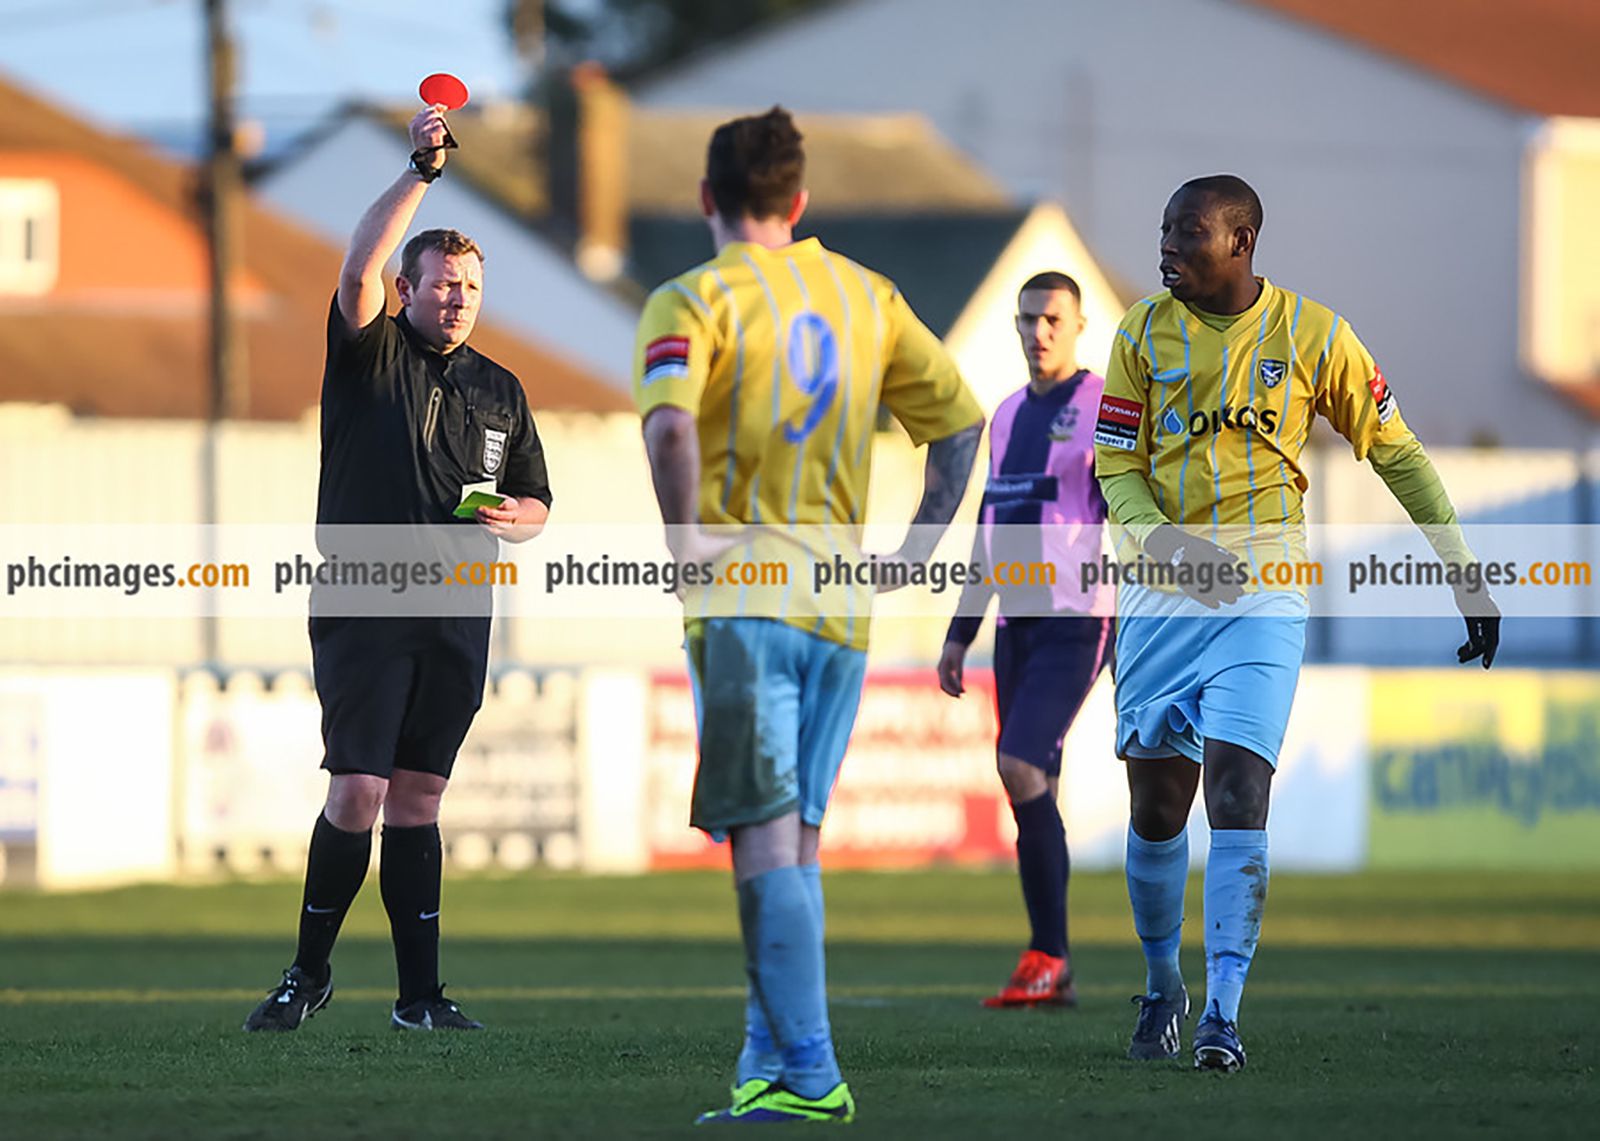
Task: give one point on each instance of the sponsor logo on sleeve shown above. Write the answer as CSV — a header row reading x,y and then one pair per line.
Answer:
x,y
665,357
1118,425
1272,372
1382,396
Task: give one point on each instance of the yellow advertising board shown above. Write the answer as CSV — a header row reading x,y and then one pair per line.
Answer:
x,y
1474,769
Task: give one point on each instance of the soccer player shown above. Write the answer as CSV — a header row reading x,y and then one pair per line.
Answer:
x,y
758,376
411,418
1207,407
1041,506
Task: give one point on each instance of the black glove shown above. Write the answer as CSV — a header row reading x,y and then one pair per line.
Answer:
x,y
1221,586
1483,626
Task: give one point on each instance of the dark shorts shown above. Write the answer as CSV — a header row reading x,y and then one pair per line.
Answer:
x,y
1043,670
397,693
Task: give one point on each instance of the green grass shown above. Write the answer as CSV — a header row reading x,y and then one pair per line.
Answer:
x,y
1383,1004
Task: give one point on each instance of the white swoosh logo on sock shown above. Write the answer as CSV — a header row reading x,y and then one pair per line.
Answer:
x,y
320,910
426,915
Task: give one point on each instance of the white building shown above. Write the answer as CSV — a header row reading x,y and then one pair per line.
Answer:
x,y
1391,156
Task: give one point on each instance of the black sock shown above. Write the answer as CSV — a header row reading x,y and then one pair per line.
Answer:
x,y
408,872
335,867
1042,864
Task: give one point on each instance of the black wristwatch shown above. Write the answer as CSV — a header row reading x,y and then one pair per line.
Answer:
x,y
426,173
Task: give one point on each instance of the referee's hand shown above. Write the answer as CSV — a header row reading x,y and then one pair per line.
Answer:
x,y
515,520
429,132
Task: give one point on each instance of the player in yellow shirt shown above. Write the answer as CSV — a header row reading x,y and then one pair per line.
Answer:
x,y
759,375
1208,402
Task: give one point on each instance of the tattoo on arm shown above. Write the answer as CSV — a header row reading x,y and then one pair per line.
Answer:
x,y
945,476
944,483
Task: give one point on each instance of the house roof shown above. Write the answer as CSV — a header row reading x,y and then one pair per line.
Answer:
x,y
854,163
1535,55
101,359
937,259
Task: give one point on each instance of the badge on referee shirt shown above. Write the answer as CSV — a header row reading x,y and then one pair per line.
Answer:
x,y
494,450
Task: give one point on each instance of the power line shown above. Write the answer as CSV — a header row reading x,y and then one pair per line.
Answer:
x,y
37,17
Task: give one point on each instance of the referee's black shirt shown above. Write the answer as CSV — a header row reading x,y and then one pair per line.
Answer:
x,y
406,427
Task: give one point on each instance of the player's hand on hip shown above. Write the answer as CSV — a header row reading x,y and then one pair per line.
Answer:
x,y
691,543
894,572
1215,577
1483,626
428,132
952,665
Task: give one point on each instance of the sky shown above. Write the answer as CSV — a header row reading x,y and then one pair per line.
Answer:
x,y
137,65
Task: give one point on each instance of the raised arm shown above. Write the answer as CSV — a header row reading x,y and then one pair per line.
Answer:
x,y
379,232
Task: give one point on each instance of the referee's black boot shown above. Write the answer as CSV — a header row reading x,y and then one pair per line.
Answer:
x,y
435,1012
291,1002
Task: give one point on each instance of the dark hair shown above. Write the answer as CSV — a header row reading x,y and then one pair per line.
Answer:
x,y
449,242
1238,200
756,165
1052,280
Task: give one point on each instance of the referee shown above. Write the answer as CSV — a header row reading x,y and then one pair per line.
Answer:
x,y
412,420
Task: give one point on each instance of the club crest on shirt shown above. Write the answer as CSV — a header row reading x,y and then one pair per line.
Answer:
x,y
1061,428
494,450
1272,372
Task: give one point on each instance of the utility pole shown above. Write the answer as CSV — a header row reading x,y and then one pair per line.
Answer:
x,y
227,392
527,31
229,386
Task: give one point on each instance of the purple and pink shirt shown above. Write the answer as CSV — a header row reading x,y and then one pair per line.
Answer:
x,y
1041,504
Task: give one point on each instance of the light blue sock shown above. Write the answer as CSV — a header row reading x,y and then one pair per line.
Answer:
x,y
1157,871
759,1057
813,876
1236,895
782,924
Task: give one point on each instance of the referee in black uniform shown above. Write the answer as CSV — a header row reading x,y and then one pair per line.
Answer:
x,y
412,418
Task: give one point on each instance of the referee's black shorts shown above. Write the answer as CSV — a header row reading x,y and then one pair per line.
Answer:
x,y
397,693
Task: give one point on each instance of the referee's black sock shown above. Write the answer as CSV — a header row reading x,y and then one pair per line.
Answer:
x,y
408,872
1042,864
335,867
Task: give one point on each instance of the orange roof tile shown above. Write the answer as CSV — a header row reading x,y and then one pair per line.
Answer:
x,y
103,358
1535,55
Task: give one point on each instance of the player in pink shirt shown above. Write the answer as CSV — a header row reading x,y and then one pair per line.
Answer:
x,y
1041,506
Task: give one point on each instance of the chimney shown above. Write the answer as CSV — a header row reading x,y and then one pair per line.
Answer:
x,y
588,169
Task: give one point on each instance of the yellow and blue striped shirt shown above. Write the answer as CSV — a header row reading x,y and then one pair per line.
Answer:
x,y
1216,419
784,356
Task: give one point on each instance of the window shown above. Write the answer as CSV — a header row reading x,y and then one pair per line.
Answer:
x,y
30,210
1561,298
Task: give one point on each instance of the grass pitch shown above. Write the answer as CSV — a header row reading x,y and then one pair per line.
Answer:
x,y
1383,1005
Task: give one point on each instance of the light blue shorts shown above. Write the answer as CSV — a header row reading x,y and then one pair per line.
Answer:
x,y
775,706
1186,675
